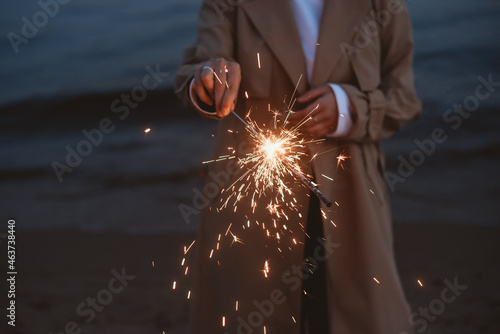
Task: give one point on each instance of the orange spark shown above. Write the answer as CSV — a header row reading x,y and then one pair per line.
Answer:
x,y
327,177
227,231
341,158
235,239
188,248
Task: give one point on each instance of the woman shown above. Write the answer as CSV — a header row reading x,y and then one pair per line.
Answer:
x,y
357,58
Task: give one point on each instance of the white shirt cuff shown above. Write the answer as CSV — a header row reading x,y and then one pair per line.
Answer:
x,y
195,102
344,123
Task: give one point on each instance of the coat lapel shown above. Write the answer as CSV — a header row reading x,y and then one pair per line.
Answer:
x,y
275,22
337,25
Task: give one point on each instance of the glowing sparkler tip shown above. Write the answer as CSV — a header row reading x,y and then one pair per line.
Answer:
x,y
420,283
341,158
147,130
272,148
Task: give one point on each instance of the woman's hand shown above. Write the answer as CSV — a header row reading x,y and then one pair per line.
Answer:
x,y
324,119
217,81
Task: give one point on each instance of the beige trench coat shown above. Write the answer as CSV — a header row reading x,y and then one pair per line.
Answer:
x,y
374,67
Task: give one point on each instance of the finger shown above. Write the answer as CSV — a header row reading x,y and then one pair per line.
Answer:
x,y
219,85
320,132
314,122
200,90
233,78
321,124
301,115
207,80
312,94
319,129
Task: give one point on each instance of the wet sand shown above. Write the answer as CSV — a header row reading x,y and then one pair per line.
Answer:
x,y
59,270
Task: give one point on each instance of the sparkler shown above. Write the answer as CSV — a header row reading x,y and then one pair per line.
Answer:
x,y
274,157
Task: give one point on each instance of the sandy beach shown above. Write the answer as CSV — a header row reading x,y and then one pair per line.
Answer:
x,y
118,211
68,267
110,229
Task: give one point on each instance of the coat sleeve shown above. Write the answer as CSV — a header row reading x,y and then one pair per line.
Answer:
x,y
216,25
380,111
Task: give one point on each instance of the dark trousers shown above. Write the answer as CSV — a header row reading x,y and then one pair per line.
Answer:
x,y
314,301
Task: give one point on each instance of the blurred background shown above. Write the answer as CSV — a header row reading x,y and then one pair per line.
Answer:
x,y
67,66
